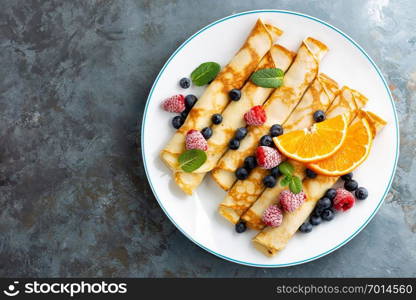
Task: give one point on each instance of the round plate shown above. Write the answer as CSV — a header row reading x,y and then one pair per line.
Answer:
x,y
196,216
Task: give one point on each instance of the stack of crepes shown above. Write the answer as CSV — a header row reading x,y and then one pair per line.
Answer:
x,y
304,91
301,69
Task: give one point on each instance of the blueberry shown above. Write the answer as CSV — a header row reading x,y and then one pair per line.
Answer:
x,y
216,119
317,211
327,215
235,94
190,101
241,173
346,177
234,144
310,173
319,116
177,122
240,133
269,181
331,193
276,130
306,227
250,162
361,193
275,172
184,114
240,227
324,203
206,132
315,220
185,83
351,185
266,140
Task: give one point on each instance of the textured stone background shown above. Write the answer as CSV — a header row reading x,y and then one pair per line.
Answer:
x,y
74,77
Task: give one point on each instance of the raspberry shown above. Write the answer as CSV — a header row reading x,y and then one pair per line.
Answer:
x,y
290,202
268,157
195,140
344,200
174,104
272,216
255,116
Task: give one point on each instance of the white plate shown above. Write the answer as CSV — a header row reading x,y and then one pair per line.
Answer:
x,y
196,217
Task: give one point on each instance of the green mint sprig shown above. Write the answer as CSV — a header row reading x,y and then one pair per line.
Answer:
x,y
205,73
286,168
268,78
294,182
192,159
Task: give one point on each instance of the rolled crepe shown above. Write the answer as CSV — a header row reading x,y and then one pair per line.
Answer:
x,y
243,194
278,107
215,98
233,118
272,240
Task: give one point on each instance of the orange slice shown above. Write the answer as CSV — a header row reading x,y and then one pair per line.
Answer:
x,y
319,142
353,152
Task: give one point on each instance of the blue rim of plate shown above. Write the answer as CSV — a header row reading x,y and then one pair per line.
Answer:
x,y
395,119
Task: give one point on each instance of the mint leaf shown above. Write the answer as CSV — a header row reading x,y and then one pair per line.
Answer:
x,y
295,185
205,73
191,160
286,180
286,168
268,78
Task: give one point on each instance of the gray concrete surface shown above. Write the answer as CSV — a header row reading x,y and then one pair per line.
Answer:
x,y
74,77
